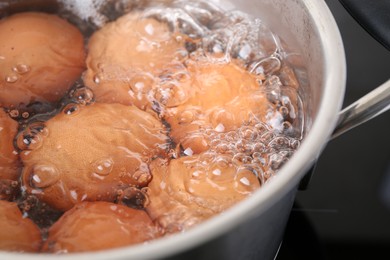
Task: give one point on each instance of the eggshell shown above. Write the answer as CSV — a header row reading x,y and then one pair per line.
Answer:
x,y
89,153
41,55
126,56
17,232
215,96
189,190
9,158
91,226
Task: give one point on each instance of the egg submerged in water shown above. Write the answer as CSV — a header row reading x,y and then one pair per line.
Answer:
x,y
89,153
41,55
99,225
126,57
9,162
17,232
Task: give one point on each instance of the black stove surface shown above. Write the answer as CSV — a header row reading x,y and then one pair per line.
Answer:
x,y
345,212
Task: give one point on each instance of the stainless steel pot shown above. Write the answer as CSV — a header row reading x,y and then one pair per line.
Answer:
x,y
253,229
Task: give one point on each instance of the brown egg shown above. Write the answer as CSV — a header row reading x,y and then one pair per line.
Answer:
x,y
125,56
9,159
41,55
188,190
216,96
91,226
88,153
17,232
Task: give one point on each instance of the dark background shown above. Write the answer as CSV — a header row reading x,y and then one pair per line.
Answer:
x,y
345,212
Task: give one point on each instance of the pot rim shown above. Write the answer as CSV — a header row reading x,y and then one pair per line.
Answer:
x,y
286,179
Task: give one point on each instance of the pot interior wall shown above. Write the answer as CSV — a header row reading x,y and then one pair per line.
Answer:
x,y
293,21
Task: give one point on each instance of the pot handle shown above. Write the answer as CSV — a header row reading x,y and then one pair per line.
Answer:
x,y
369,106
373,16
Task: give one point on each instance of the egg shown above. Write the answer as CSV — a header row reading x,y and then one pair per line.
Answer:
x,y
89,153
189,190
214,97
126,56
91,226
9,158
41,55
17,232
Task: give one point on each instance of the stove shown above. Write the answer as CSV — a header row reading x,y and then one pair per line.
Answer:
x,y
345,211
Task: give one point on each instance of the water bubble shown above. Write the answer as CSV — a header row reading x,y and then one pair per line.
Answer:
x,y
141,84
267,137
33,142
247,133
25,115
187,116
134,198
241,158
71,109
295,144
266,66
218,175
273,83
279,143
287,128
258,148
231,136
223,147
259,158
276,160
222,161
11,78
220,128
14,113
196,178
209,132
284,111
197,175
216,47
43,176
268,174
215,142
179,38
243,146
142,177
103,167
82,95
219,115
32,137
172,94
21,68
39,128
246,179
261,128
98,78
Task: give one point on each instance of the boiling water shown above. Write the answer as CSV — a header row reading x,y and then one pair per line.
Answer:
x,y
255,150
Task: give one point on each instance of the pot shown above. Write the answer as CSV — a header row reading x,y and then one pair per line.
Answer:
x,y
253,229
